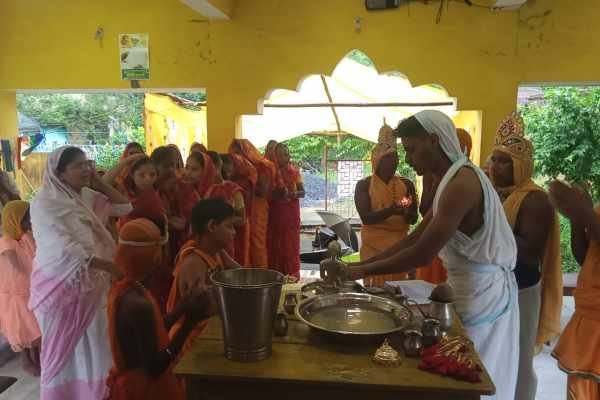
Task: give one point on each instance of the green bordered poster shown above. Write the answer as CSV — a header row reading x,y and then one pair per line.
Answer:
x,y
135,61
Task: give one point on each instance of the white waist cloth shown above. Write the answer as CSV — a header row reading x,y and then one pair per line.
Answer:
x,y
486,301
480,267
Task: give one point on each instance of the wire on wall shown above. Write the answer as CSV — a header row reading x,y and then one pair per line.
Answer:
x,y
469,3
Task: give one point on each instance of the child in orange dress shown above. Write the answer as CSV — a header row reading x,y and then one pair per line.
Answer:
x,y
17,249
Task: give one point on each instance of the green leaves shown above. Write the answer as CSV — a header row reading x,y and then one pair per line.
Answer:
x,y
569,263
89,113
308,151
565,131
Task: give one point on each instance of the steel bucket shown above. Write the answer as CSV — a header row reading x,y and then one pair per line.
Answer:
x,y
248,299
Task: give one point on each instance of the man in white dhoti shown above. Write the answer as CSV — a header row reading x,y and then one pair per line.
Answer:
x,y
468,228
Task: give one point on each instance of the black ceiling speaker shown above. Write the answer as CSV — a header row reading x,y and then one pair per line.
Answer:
x,y
373,5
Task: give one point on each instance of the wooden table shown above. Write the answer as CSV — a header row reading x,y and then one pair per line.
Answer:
x,y
304,366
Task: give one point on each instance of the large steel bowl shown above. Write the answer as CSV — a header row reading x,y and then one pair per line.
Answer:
x,y
353,316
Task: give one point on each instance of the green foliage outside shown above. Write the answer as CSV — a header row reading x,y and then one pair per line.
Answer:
x,y
89,113
360,57
108,154
569,264
565,130
308,152
198,97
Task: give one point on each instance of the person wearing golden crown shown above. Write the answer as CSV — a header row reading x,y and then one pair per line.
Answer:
x,y
387,204
537,233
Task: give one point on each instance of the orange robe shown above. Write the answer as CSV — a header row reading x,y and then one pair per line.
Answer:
x,y
258,239
377,238
135,384
578,349
284,225
551,281
434,272
259,219
245,176
213,263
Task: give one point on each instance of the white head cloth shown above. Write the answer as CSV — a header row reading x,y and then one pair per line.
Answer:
x,y
480,267
67,234
439,124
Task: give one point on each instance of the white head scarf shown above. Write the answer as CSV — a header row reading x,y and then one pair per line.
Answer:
x,y
439,124
57,197
61,256
495,242
52,186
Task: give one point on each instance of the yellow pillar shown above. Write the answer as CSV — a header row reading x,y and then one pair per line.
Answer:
x,y
221,123
9,127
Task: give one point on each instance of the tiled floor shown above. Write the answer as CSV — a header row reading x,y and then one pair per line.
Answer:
x,y
26,387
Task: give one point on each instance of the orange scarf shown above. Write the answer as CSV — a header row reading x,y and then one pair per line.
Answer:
x,y
379,237
133,261
127,384
552,285
578,349
213,263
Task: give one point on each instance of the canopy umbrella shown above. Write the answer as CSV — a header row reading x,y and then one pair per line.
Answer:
x,y
353,100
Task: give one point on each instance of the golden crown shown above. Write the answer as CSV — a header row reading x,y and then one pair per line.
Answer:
x,y
386,135
511,136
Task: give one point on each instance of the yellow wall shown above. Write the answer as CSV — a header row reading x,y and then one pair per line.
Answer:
x,y
167,122
477,55
8,115
471,122
225,6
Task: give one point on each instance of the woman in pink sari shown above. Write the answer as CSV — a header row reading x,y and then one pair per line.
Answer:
x,y
284,216
72,271
17,322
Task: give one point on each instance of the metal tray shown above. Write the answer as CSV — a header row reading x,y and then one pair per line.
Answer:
x,y
385,317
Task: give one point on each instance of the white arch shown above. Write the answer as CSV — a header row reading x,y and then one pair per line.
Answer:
x,y
353,99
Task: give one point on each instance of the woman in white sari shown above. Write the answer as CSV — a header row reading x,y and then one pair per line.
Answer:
x,y
72,273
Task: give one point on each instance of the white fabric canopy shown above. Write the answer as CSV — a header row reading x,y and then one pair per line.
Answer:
x,y
358,95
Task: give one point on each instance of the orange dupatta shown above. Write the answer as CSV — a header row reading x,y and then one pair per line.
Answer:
x,y
578,349
134,261
551,281
134,384
213,263
260,207
377,238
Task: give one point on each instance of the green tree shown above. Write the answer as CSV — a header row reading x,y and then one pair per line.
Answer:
x,y
90,113
565,131
199,97
307,151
